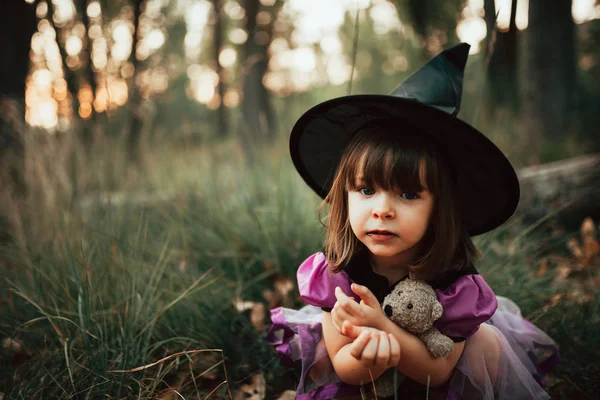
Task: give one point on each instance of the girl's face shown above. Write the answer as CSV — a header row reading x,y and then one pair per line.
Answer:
x,y
389,223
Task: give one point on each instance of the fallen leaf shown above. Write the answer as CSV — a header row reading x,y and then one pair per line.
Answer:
x,y
554,300
12,346
573,246
255,390
242,306
16,350
271,298
283,286
268,265
543,268
257,316
183,265
591,247
587,227
287,395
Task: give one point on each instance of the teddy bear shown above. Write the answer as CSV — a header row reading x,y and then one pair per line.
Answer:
x,y
413,305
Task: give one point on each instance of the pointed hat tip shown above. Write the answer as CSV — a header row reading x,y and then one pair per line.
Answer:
x,y
458,55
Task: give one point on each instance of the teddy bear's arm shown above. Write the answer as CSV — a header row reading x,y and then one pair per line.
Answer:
x,y
438,344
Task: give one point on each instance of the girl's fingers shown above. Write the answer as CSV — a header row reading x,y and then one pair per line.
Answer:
x,y
395,351
346,302
383,352
340,315
357,347
351,330
366,296
369,353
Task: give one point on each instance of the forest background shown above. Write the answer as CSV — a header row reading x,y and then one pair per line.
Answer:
x,y
150,215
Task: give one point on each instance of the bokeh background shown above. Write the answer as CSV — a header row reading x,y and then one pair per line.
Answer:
x,y
149,212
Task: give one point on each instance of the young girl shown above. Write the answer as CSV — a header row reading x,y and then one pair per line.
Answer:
x,y
408,184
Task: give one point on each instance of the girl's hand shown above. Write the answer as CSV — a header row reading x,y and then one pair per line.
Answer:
x,y
373,347
367,313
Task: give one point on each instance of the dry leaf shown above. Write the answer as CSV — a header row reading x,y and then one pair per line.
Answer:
x,y
242,306
280,296
554,300
11,346
579,294
258,312
587,227
575,249
283,286
268,265
287,395
585,298
543,268
563,271
204,367
257,316
271,298
16,350
183,265
255,390
591,247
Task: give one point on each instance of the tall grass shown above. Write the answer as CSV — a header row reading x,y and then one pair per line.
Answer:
x,y
132,294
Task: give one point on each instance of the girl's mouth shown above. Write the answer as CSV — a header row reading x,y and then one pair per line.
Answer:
x,y
380,235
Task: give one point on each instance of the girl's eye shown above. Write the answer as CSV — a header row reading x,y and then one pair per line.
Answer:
x,y
409,196
366,191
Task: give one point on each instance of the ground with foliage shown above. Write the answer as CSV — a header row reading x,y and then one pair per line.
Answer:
x,y
160,288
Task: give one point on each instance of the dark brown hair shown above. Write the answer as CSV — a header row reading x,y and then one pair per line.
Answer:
x,y
392,161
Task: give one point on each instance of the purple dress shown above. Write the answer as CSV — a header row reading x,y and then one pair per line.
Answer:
x,y
527,352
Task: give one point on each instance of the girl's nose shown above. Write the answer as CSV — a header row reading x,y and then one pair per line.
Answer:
x,y
383,209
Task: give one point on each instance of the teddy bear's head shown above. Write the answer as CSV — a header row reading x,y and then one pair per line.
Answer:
x,y
413,305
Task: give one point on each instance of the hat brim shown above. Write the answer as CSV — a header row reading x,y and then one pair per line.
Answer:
x,y
488,186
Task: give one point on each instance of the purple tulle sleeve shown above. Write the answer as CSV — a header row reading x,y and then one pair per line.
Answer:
x,y
317,284
467,303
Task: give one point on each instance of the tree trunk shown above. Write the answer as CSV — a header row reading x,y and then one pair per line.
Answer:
x,y
70,76
549,89
89,76
259,119
501,58
17,26
135,99
219,30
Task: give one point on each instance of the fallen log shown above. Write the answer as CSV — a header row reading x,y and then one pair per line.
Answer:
x,y
567,190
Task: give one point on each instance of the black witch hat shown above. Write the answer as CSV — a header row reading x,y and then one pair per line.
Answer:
x,y
429,100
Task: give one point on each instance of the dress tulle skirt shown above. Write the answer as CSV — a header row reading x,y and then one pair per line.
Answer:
x,y
527,354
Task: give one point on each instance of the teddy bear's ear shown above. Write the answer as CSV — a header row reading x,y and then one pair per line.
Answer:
x,y
436,311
